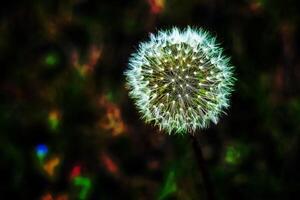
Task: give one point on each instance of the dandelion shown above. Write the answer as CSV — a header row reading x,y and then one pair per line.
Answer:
x,y
180,80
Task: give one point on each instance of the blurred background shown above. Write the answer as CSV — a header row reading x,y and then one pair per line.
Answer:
x,y
69,131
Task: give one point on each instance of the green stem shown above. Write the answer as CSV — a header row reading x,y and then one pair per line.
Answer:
x,y
203,168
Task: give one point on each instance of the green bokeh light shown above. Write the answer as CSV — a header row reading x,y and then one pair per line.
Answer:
x,y
51,59
232,155
54,120
85,183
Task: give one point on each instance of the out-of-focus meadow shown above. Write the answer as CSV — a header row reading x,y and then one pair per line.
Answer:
x,y
68,129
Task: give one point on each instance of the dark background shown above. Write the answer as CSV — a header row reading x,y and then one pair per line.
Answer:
x,y
69,131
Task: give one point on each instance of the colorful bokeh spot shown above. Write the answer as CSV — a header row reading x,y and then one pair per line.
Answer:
x,y
85,184
54,119
82,70
49,196
87,67
156,6
113,120
51,59
41,151
50,165
109,164
76,171
232,155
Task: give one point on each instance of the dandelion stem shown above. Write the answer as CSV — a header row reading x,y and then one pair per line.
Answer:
x,y
203,168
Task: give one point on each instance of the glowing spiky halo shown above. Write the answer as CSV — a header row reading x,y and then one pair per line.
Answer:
x,y
180,80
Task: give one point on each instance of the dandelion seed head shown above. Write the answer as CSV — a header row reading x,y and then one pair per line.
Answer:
x,y
191,91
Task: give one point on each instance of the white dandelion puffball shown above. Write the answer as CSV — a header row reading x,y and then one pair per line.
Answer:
x,y
180,80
